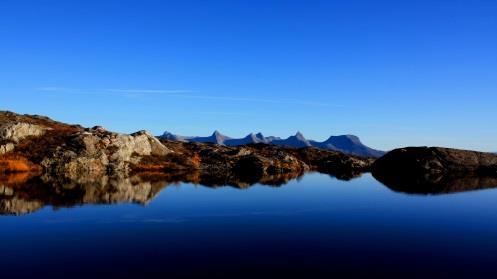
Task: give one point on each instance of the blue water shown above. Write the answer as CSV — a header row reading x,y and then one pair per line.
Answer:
x,y
314,227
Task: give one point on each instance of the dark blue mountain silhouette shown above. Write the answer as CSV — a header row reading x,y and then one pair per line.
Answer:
x,y
346,143
298,140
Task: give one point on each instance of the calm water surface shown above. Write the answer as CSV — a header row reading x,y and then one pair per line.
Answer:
x,y
311,228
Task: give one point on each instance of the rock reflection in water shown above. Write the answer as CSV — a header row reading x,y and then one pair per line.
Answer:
x,y
432,183
24,193
17,198
21,193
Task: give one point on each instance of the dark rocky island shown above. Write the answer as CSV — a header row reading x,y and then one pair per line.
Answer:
x,y
436,170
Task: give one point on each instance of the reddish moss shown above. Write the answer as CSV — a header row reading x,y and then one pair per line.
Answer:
x,y
13,163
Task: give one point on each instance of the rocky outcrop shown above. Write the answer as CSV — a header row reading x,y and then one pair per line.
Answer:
x,y
433,160
31,142
98,152
335,163
436,170
256,160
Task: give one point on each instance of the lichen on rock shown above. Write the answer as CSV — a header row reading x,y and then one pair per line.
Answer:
x,y
6,148
16,131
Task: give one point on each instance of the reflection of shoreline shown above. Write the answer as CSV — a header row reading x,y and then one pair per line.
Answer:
x,y
39,192
22,194
436,184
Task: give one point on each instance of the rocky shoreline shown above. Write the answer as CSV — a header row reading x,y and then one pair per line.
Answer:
x,y
38,144
45,162
23,194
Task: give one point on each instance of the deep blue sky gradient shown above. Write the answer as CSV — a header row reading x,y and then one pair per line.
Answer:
x,y
395,73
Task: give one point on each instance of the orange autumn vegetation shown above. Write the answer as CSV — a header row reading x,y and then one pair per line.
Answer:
x,y
13,163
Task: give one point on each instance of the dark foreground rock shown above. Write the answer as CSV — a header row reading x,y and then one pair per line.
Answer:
x,y
433,170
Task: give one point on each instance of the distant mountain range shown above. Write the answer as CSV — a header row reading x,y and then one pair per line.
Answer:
x,y
349,144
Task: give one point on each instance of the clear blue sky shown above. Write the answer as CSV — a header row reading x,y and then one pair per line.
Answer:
x,y
395,73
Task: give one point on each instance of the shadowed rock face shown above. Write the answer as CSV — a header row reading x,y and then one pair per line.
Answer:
x,y
422,160
434,170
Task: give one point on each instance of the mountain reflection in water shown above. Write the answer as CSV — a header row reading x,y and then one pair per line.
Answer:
x,y
21,193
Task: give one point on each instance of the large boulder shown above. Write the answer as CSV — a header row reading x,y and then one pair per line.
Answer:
x,y
431,170
98,152
424,160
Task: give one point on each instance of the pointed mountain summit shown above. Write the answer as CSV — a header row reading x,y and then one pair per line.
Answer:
x,y
216,138
260,138
249,139
219,138
298,140
349,144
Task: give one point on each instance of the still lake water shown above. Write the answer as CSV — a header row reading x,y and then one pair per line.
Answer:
x,y
310,228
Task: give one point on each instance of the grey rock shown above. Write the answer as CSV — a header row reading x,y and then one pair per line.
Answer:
x,y
6,148
16,131
99,152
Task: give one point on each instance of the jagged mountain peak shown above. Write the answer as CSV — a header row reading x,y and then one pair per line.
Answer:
x,y
217,133
299,135
298,140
